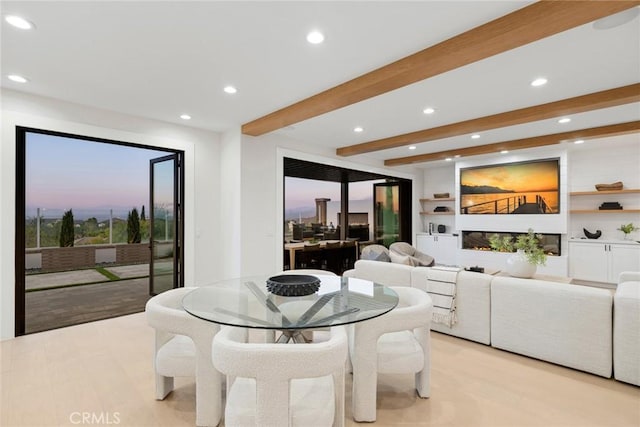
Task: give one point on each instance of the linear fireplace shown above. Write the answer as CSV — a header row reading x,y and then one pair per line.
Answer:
x,y
479,240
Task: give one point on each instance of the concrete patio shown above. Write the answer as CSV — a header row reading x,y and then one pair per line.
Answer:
x,y
94,296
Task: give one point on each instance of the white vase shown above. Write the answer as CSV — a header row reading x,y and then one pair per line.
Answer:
x,y
519,266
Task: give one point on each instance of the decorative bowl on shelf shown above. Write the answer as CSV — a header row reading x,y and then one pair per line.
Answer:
x,y
441,195
293,285
609,187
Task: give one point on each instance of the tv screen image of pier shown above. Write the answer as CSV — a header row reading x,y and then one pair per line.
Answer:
x,y
531,187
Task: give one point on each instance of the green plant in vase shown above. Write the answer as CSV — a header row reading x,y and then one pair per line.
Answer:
x,y
529,253
627,229
528,243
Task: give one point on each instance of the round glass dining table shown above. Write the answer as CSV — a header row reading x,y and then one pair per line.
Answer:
x,y
246,302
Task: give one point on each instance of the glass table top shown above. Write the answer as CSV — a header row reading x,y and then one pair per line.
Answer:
x,y
246,302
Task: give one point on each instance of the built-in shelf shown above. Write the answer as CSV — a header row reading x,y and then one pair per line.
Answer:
x,y
600,193
437,213
604,211
446,199
604,193
439,199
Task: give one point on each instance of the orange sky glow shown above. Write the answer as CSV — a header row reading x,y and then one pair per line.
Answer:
x,y
529,177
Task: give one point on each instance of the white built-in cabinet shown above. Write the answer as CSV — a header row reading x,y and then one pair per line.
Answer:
x,y
442,247
602,261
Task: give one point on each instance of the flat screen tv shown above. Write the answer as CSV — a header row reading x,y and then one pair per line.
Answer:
x,y
529,187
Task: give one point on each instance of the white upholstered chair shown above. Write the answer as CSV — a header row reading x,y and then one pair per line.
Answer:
x,y
409,255
397,342
282,384
311,271
183,348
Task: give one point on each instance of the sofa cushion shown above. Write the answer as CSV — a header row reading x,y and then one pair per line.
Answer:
x,y
561,323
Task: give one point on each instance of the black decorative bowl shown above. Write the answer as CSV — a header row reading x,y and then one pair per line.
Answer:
x,y
293,285
591,235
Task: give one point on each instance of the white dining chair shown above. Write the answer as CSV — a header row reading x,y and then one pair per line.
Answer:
x,y
397,342
183,348
282,384
310,271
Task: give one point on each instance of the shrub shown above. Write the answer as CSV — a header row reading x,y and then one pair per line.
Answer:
x,y
67,232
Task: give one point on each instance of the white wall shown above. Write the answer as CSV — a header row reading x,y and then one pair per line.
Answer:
x,y
229,186
260,186
201,148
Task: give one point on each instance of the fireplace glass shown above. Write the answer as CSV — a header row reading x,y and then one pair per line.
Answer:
x,y
479,240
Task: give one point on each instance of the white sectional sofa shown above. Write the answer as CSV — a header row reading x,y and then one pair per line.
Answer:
x,y
473,302
473,299
566,324
626,329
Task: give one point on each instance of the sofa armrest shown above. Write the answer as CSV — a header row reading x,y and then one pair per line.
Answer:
x,y
473,304
626,332
629,276
385,273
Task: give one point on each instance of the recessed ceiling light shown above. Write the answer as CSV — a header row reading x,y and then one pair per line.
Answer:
x,y
564,120
504,151
540,81
358,129
16,78
315,37
475,136
579,141
429,110
448,159
230,89
19,22
185,117
412,147
456,156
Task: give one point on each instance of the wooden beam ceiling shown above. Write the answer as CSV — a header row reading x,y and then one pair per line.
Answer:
x,y
529,24
519,144
580,104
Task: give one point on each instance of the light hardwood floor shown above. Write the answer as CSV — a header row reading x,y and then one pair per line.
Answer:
x,y
104,369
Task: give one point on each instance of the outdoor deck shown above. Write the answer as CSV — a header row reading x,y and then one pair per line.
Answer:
x,y
66,306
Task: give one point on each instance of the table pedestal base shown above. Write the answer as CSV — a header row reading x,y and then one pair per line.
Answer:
x,y
295,336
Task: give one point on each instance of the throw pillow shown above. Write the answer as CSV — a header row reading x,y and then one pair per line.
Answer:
x,y
375,253
400,259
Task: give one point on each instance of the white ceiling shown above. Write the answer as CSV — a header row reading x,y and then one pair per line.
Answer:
x,y
160,59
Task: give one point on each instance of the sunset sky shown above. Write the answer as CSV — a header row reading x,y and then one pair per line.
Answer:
x,y
536,176
64,173
300,192
67,173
